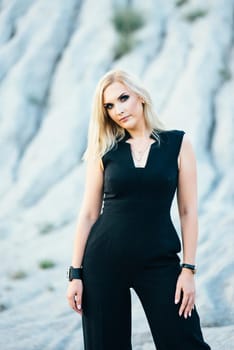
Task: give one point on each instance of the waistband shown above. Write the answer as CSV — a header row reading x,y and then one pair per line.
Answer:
x,y
136,207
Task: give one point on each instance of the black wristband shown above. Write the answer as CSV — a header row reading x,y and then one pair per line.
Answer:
x,y
189,266
74,273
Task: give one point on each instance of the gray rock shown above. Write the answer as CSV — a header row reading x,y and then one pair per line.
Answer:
x,y
51,55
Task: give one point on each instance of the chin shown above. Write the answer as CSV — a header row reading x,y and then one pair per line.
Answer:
x,y
128,124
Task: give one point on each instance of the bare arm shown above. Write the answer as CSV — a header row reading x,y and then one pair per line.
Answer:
x,y
89,212
90,208
187,201
187,205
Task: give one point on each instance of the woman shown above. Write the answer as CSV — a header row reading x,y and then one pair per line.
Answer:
x,y
125,237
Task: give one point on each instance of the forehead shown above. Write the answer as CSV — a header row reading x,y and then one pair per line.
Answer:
x,y
113,91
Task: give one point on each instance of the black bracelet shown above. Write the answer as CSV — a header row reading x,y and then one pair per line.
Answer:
x,y
189,266
74,273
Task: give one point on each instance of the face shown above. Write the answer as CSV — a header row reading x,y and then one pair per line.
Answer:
x,y
123,106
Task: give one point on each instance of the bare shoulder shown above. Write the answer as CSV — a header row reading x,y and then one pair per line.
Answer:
x,y
94,175
101,164
186,143
95,165
93,193
186,153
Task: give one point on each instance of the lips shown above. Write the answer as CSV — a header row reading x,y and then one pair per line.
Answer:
x,y
124,118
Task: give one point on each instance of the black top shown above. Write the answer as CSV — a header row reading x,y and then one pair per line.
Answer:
x,y
157,180
137,201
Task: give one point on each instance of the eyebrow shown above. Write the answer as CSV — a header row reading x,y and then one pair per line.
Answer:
x,y
123,93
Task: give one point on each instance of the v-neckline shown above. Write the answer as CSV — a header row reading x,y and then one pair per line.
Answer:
x,y
147,159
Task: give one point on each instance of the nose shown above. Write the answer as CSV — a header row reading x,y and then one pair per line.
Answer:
x,y
119,109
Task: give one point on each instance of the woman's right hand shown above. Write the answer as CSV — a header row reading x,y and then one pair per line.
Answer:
x,y
74,295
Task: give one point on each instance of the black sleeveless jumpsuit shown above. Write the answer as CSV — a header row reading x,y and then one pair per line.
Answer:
x,y
134,244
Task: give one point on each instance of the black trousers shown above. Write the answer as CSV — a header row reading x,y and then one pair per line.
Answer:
x,y
106,303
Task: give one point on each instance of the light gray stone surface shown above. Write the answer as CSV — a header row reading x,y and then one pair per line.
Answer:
x,y
51,55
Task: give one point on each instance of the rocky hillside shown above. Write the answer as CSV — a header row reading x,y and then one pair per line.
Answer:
x,y
52,54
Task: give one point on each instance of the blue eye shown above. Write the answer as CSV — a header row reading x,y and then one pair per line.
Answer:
x,y
124,98
108,106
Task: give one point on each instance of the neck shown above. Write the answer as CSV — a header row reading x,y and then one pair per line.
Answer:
x,y
139,134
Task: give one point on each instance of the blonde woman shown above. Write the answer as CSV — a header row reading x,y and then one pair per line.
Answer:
x,y
125,237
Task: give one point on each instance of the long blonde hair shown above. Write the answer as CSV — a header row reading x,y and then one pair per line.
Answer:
x,y
103,132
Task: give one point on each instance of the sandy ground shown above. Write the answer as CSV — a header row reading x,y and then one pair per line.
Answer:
x,y
46,322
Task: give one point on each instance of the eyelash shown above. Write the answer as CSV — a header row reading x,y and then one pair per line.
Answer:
x,y
123,98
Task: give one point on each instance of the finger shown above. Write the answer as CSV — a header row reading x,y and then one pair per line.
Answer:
x,y
183,304
72,303
191,310
190,303
188,308
78,310
177,294
78,303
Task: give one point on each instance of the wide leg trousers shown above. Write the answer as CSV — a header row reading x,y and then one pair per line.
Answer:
x,y
106,302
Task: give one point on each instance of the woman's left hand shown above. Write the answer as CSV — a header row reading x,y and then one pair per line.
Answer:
x,y
185,283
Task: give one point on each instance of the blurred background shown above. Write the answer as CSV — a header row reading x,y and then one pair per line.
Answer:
x,y
52,53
